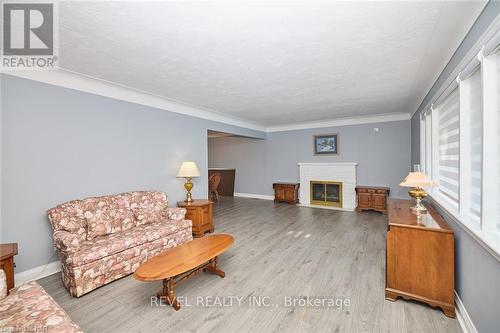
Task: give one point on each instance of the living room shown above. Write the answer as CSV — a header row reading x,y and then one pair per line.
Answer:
x,y
250,166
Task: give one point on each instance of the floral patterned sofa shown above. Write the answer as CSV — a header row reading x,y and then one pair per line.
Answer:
x,y
28,308
104,238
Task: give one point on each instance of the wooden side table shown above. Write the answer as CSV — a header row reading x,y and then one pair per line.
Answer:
x,y
286,192
200,212
7,253
372,198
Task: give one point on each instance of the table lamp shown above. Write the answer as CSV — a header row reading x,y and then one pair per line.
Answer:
x,y
418,181
188,170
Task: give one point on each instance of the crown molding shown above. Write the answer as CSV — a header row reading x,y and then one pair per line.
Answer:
x,y
378,118
72,80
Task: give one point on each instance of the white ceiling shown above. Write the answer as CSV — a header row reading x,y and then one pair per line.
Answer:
x,y
269,63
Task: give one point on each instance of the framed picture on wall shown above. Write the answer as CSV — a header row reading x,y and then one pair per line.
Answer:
x,y
326,144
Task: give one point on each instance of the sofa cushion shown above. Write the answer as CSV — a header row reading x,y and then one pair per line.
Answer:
x,y
101,247
149,207
117,210
145,215
98,226
107,215
29,307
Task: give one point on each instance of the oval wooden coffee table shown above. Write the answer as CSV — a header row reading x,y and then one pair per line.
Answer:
x,y
181,262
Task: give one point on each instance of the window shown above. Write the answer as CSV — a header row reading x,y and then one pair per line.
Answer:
x,y
460,148
491,147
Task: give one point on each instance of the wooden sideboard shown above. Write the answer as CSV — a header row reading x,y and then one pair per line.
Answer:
x,y
286,192
226,185
200,213
372,198
420,257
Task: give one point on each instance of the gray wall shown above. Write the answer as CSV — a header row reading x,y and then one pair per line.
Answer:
x,y
477,272
383,157
60,144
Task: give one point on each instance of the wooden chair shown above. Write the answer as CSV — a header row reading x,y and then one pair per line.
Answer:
x,y
213,185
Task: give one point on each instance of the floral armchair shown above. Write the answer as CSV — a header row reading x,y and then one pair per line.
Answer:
x,y
28,308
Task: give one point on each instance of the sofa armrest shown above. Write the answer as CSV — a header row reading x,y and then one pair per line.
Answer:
x,y
66,241
3,284
176,214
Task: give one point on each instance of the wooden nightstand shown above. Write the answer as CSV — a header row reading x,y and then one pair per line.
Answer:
x,y
7,253
200,212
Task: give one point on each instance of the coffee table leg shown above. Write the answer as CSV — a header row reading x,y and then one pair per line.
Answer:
x,y
163,294
171,295
167,295
214,269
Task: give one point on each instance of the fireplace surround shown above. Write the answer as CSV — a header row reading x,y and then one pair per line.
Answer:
x,y
340,172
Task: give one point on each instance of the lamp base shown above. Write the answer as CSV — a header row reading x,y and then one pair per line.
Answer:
x,y
418,194
188,186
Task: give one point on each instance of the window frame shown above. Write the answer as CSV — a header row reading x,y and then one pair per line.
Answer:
x,y
486,231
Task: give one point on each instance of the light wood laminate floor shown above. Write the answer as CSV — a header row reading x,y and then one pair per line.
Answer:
x,y
280,250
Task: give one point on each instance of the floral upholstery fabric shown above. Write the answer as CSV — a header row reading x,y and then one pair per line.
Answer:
x,y
107,215
69,217
66,241
94,249
105,238
80,280
149,215
176,214
28,308
151,207
116,211
3,285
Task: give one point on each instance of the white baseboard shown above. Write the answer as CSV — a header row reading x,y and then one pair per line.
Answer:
x,y
254,196
463,317
36,273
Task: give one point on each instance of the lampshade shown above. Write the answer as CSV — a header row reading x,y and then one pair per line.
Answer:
x,y
188,170
417,179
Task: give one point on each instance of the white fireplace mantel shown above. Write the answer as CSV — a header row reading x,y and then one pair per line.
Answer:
x,y
344,172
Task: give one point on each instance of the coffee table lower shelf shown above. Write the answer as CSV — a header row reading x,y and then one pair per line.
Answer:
x,y
167,295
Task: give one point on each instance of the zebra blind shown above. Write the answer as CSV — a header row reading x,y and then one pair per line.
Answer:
x,y
497,141
476,143
448,114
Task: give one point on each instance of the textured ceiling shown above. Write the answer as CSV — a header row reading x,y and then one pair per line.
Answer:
x,y
269,63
